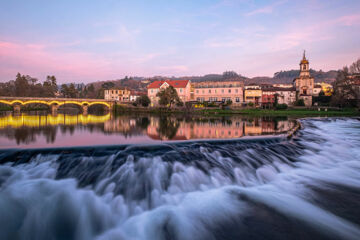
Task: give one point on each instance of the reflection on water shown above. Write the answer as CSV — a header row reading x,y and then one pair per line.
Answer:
x,y
69,130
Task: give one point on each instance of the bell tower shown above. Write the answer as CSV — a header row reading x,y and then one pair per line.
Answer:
x,y
304,84
304,67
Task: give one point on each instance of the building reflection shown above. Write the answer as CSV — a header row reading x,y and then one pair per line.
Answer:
x,y
215,128
26,129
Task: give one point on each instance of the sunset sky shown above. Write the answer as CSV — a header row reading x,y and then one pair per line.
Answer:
x,y
83,41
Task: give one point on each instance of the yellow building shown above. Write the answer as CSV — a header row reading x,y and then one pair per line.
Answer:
x,y
327,88
117,94
252,94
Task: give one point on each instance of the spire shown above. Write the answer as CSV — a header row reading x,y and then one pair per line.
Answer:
x,y
304,58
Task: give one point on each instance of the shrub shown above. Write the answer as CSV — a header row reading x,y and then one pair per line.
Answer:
x,y
250,104
143,100
179,104
300,102
281,106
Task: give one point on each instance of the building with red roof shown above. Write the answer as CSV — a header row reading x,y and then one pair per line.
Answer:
x,y
183,88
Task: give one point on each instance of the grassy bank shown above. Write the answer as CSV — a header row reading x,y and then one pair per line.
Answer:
x,y
287,112
302,112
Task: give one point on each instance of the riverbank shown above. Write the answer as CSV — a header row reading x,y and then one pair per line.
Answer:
x,y
295,112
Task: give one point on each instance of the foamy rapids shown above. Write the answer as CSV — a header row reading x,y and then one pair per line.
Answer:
x,y
307,187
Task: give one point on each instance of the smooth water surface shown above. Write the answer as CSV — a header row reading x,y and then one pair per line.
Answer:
x,y
38,131
307,187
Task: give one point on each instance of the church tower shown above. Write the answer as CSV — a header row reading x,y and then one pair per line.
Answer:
x,y
304,67
304,84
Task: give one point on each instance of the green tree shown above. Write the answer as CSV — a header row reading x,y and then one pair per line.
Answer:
x,y
21,86
143,100
345,93
168,96
108,85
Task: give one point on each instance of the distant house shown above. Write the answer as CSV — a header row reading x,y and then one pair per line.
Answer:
x,y
117,94
182,88
135,94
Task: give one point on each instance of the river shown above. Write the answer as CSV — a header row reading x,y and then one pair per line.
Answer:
x,y
189,187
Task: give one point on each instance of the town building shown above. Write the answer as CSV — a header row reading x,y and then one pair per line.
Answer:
x,y
253,94
283,85
278,95
117,94
317,89
304,84
135,94
219,91
327,88
286,95
268,97
182,88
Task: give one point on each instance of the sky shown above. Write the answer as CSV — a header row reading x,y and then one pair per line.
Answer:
x,y
93,40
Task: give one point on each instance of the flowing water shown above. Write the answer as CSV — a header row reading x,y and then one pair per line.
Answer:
x,y
307,187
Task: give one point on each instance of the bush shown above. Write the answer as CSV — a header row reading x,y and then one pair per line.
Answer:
x,y
281,106
143,100
300,102
179,104
250,104
228,102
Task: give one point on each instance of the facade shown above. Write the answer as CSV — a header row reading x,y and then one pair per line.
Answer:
x,y
317,89
286,95
304,84
268,97
283,95
283,85
253,94
327,88
117,94
219,91
182,88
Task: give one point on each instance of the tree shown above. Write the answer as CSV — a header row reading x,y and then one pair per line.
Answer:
x,y
21,86
230,74
143,100
355,67
300,102
108,85
345,93
168,96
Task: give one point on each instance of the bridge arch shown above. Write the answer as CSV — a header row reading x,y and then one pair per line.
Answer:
x,y
11,103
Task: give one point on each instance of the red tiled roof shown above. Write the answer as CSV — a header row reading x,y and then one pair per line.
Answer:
x,y
174,83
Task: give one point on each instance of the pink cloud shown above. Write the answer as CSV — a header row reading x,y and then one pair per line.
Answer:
x,y
37,59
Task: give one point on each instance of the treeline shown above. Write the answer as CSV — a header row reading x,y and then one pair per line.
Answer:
x,y
27,86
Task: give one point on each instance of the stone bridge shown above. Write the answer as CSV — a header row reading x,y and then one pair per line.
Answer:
x,y
55,103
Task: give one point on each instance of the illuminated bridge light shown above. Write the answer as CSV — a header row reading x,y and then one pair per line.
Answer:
x,y
50,120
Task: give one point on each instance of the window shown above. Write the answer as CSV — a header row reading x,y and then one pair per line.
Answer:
x,y
229,90
222,90
152,90
236,90
180,90
215,90
197,91
203,91
223,100
237,99
209,90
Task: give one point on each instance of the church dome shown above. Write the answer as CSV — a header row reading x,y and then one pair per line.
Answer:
x,y
304,61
